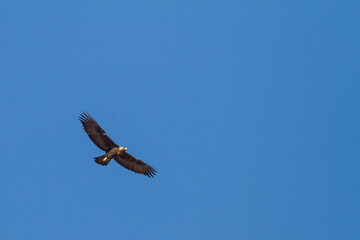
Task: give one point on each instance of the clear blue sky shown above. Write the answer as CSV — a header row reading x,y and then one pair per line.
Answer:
x,y
249,110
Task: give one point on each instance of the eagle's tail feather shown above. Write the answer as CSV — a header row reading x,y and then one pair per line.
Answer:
x,y
102,160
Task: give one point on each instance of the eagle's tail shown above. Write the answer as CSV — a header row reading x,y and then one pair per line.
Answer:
x,y
102,160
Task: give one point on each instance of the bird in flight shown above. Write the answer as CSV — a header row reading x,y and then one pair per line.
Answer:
x,y
112,150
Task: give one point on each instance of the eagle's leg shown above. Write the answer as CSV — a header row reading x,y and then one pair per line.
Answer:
x,y
103,160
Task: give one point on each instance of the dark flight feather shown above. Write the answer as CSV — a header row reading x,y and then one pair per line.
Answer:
x,y
96,133
134,164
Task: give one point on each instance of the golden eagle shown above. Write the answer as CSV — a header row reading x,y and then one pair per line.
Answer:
x,y
113,151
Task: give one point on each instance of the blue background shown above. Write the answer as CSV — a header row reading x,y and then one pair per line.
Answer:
x,y
249,110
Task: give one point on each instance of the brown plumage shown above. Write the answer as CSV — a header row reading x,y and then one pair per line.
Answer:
x,y
99,137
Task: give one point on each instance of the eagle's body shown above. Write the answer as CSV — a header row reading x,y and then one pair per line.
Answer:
x,y
113,151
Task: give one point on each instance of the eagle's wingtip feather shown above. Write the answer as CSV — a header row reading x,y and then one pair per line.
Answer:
x,y
85,116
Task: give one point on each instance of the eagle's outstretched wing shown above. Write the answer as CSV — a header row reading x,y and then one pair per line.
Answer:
x,y
96,133
134,164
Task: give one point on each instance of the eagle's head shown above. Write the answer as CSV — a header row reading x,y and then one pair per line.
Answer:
x,y
122,148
